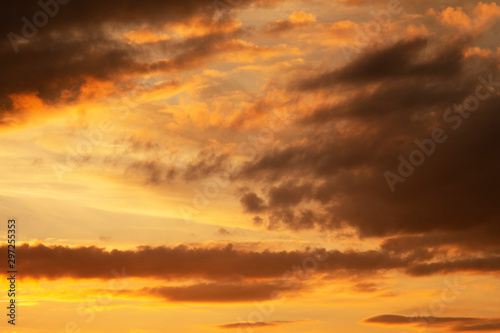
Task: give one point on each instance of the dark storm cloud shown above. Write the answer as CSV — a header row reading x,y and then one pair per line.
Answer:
x,y
401,60
389,101
391,98
56,262
288,194
473,240
85,16
487,264
82,40
252,203
254,274
73,45
48,66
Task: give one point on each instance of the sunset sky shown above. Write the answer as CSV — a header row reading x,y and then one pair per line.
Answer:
x,y
251,166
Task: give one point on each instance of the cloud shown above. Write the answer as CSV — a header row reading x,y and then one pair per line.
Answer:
x,y
480,326
456,324
227,263
486,264
216,292
33,71
218,264
92,14
455,17
204,165
482,17
371,113
254,324
296,20
223,232
252,203
406,61
154,172
486,14
111,42
475,240
366,287
398,320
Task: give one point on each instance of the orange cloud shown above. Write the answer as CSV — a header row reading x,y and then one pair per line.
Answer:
x,y
295,20
454,17
301,17
485,15
144,36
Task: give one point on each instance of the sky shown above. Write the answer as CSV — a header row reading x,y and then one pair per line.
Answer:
x,y
251,165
